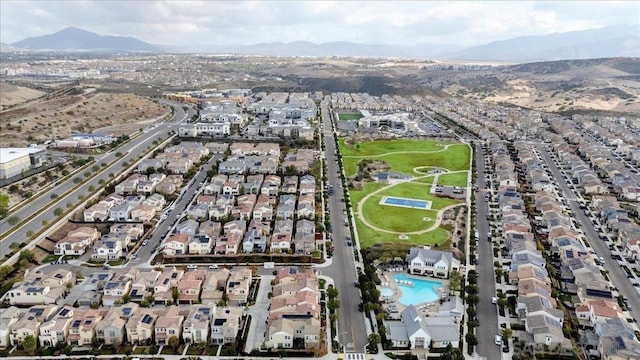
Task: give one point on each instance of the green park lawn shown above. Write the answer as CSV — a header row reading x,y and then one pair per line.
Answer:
x,y
455,179
349,116
404,156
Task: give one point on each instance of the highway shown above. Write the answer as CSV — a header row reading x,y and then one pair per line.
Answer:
x,y
131,149
617,276
351,327
487,312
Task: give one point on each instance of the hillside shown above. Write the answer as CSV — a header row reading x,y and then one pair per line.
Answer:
x,y
73,38
568,85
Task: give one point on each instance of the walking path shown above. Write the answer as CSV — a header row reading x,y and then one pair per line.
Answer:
x,y
435,225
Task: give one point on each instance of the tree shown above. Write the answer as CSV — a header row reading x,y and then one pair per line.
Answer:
x,y
451,353
30,233
58,211
27,255
29,344
455,281
332,292
12,220
374,339
333,304
506,333
53,196
175,295
173,341
502,299
471,342
5,271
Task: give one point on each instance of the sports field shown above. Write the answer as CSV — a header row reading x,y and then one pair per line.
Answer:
x,y
349,116
377,222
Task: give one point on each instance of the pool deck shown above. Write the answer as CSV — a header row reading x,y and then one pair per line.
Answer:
x,y
392,303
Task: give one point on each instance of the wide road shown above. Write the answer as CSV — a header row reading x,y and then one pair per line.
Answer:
x,y
487,313
131,149
351,327
190,192
616,274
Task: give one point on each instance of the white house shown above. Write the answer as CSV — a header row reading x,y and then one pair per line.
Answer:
x,y
436,263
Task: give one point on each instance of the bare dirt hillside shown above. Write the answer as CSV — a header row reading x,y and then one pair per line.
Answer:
x,y
58,117
611,85
13,94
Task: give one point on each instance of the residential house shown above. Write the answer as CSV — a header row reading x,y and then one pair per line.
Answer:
x,y
200,244
195,327
436,263
83,327
168,325
176,245
225,325
237,287
111,329
140,326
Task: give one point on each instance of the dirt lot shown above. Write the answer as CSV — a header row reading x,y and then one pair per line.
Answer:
x,y
12,94
88,111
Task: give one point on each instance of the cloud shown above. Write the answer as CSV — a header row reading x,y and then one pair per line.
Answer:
x,y
247,22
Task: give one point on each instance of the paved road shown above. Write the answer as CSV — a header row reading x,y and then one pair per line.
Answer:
x,y
351,326
132,149
616,274
190,192
487,315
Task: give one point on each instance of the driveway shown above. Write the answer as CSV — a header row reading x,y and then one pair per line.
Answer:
x,y
259,313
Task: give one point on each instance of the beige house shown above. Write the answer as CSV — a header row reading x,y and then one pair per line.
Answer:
x,y
195,328
140,326
83,327
238,284
56,330
168,324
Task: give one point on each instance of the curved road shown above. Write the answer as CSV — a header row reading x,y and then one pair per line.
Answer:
x,y
132,149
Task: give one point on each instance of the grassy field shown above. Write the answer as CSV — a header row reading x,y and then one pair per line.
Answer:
x,y
349,116
455,179
406,155
403,156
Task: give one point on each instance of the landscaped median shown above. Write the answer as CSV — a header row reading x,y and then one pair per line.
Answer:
x,y
404,171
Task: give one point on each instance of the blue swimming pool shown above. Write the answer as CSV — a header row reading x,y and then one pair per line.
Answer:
x,y
406,202
418,291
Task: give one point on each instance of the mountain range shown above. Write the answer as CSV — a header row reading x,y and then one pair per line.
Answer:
x,y
614,41
72,38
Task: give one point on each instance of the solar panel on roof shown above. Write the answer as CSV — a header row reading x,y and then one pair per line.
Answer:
x,y
64,312
126,311
147,319
76,323
36,311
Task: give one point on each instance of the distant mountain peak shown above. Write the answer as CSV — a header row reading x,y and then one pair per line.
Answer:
x,y
74,38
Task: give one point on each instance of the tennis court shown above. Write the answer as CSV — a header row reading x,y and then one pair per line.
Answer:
x,y
406,202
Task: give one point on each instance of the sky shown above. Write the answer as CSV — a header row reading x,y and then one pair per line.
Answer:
x,y
465,23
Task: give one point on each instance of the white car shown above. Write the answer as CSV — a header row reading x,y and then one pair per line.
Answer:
x,y
144,243
498,340
494,300
213,266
